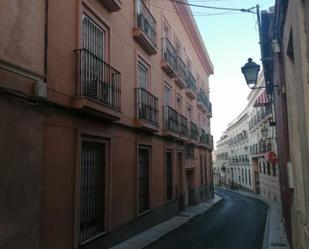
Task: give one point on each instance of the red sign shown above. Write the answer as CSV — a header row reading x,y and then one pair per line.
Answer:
x,y
271,157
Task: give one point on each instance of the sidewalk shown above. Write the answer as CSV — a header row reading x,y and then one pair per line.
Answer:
x,y
154,233
274,234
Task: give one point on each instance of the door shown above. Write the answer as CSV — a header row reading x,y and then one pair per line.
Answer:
x,y
143,180
92,190
180,181
257,182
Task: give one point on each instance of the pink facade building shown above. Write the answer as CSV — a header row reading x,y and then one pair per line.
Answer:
x,y
107,113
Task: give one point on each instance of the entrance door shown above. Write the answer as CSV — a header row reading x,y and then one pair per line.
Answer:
x,y
180,181
257,182
189,187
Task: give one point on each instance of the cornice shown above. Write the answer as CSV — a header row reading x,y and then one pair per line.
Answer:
x,y
189,23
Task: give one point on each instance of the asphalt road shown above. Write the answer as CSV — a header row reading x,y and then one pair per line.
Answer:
x,y
236,223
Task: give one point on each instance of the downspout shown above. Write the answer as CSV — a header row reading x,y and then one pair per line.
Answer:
x,y
46,41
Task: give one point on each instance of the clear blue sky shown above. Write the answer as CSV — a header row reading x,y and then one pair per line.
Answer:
x,y
230,39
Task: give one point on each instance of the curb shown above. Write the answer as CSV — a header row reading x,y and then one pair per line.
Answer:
x,y
153,234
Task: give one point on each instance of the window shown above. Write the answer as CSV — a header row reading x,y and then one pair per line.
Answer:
x,y
290,47
177,47
142,76
188,63
92,192
179,102
97,77
189,151
143,179
201,169
166,29
249,177
167,96
93,38
246,176
205,168
189,111
169,174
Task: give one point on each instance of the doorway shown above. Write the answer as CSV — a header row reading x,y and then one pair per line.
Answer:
x,y
181,196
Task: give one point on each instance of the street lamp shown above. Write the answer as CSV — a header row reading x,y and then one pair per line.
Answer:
x,y
251,71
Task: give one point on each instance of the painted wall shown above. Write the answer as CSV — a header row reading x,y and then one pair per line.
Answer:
x,y
20,175
22,34
296,76
64,38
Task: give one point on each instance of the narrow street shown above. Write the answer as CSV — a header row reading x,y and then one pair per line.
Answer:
x,y
237,223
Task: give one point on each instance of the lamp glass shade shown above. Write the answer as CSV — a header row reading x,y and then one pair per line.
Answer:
x,y
251,71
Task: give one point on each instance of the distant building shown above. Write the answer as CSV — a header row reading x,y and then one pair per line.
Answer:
x,y
245,154
265,170
221,162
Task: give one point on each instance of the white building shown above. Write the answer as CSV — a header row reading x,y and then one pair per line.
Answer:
x,y
221,161
249,143
263,148
240,170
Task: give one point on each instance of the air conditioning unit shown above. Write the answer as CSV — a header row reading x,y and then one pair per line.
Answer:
x,y
40,89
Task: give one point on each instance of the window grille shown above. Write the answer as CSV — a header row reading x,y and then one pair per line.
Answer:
x,y
92,190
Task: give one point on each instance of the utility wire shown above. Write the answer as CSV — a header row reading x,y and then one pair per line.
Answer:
x,y
194,13
212,7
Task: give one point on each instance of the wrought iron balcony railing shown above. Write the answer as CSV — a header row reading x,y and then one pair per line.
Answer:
x,y
146,21
147,106
97,80
191,81
203,137
169,54
181,69
193,131
171,119
183,126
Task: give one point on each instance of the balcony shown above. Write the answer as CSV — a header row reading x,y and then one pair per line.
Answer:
x,y
210,142
202,101
193,132
98,88
206,140
209,109
147,115
181,78
111,5
203,140
259,149
169,59
145,28
171,122
183,127
191,85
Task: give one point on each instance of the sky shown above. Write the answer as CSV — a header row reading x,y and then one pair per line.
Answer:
x,y
230,39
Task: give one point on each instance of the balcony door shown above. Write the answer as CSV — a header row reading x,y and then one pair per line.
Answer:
x,y
97,76
143,179
93,38
143,76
